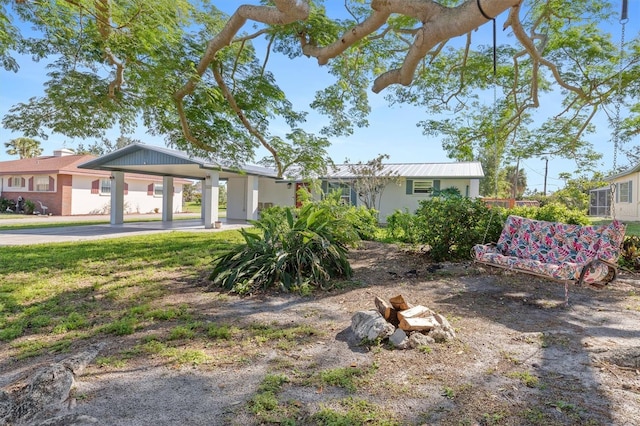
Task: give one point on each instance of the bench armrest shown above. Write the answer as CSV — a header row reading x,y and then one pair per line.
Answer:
x,y
613,270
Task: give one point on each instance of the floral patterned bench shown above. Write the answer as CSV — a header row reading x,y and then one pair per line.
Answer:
x,y
568,253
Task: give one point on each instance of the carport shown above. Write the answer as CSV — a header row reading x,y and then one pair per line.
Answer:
x,y
242,188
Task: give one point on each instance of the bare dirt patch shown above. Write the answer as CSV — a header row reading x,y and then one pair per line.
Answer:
x,y
519,358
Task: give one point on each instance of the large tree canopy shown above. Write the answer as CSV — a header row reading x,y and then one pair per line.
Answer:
x,y
196,76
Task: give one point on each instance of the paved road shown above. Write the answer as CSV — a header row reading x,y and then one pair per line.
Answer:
x,y
95,232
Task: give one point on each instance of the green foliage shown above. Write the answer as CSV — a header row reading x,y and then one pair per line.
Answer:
x,y
309,249
452,226
361,219
354,411
404,226
345,377
552,212
630,253
452,192
29,207
23,147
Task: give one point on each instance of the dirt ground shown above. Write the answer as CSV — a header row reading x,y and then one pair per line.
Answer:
x,y
519,358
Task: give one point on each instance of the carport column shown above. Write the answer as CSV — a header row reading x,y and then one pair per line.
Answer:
x,y
252,197
167,198
210,198
117,198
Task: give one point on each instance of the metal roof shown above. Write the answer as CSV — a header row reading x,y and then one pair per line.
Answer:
x,y
624,173
467,170
160,161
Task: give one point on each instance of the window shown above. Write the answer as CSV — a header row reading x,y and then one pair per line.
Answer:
x,y
422,186
157,190
624,189
42,183
599,204
345,198
105,186
16,182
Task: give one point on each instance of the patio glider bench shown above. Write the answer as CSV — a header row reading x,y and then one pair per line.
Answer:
x,y
562,252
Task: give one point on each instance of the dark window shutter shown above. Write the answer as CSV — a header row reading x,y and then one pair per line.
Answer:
x,y
126,188
436,185
617,192
52,184
31,183
325,187
354,197
150,189
630,192
9,182
22,181
409,186
95,186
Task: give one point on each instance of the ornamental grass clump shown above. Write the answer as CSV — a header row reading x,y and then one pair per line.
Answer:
x,y
303,251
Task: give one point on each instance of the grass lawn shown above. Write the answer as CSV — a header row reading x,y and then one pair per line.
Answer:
x,y
193,207
54,294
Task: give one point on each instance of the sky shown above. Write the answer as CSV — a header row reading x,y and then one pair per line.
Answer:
x,y
392,129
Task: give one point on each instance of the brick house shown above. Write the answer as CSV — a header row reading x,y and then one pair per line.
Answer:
x,y
57,183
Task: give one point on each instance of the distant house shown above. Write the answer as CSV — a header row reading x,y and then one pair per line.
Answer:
x,y
625,200
57,183
416,182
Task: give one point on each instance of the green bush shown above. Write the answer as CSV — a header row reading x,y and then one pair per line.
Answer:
x,y
452,226
552,212
404,226
294,254
362,219
630,253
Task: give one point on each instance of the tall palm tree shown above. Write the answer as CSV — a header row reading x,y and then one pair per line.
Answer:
x,y
516,180
23,147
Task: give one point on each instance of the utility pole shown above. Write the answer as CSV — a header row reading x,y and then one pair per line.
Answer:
x,y
546,170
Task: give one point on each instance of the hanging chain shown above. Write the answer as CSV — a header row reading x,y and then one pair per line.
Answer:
x,y
619,97
612,203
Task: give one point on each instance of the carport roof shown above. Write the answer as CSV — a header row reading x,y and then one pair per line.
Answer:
x,y
159,161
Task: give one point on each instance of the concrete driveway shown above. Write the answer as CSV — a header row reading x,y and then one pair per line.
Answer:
x,y
95,232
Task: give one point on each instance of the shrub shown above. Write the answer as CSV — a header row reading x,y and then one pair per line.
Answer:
x,y
452,226
630,253
361,219
552,212
293,254
404,226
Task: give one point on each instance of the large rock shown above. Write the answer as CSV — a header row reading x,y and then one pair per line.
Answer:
x,y
371,325
46,391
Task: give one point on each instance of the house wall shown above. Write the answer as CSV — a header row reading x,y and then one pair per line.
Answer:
x,y
277,193
50,199
135,201
629,211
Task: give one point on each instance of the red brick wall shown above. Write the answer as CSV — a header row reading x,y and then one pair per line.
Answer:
x,y
58,202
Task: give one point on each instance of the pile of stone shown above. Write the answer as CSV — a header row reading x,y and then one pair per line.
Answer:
x,y
404,325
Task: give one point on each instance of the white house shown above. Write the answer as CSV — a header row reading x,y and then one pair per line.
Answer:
x,y
57,186
416,182
625,198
